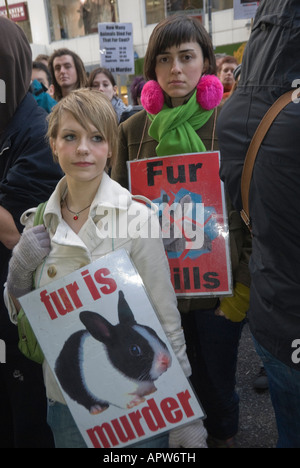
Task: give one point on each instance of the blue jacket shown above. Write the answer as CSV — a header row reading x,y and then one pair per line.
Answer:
x,y
39,92
28,174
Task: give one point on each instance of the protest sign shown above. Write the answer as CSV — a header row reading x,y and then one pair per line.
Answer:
x,y
111,358
243,9
191,206
116,47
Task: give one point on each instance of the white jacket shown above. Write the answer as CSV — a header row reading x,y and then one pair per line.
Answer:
x,y
113,209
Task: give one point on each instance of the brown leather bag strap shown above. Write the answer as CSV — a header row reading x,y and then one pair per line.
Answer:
x,y
254,146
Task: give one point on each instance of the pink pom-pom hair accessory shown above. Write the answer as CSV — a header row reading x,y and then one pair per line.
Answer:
x,y
209,94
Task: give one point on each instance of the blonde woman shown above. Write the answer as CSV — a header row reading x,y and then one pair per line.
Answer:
x,y
83,136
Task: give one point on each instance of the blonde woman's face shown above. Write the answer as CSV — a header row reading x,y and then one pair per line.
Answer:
x,y
103,84
82,154
179,68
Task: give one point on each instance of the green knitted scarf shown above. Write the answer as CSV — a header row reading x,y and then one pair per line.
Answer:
x,y
175,128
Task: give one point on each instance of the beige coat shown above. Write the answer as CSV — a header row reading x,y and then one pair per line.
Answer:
x,y
70,252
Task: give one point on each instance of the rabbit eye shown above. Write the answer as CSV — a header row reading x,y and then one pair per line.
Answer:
x,y
135,350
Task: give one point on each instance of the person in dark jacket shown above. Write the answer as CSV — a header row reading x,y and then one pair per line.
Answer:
x,y
135,90
28,176
269,69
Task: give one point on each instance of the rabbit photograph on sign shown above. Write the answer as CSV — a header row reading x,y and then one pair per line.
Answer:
x,y
128,356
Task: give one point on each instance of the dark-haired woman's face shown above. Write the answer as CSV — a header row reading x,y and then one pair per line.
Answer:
x,y
103,84
179,68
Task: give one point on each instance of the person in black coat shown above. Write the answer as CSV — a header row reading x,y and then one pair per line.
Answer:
x,y
269,69
28,175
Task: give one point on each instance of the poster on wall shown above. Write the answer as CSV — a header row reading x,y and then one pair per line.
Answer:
x,y
116,47
107,349
189,195
17,11
243,9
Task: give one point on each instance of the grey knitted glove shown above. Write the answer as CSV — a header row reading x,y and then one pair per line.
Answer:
x,y
28,254
192,435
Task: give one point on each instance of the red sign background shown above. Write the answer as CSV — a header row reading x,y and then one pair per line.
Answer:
x,y
209,274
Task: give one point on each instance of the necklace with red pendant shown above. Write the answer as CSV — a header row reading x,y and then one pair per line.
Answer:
x,y
76,213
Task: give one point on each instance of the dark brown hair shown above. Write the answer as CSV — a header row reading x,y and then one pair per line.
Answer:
x,y
136,88
105,72
173,31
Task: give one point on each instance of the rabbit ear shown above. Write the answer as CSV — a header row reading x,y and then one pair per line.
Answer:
x,y
124,311
97,326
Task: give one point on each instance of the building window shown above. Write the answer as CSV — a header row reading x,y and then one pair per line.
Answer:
x,y
218,5
156,10
190,7
75,18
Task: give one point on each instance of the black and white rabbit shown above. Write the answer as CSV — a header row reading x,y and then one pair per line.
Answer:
x,y
135,355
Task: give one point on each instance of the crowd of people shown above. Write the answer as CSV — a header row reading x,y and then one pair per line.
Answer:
x,y
56,114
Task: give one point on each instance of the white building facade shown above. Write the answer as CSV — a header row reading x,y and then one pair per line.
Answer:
x,y
52,24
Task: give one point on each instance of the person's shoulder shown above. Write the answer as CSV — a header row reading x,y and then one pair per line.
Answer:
x,y
27,218
134,119
36,114
145,208
133,202
130,112
135,126
29,120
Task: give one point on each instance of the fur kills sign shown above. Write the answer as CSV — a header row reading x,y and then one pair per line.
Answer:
x,y
191,207
110,356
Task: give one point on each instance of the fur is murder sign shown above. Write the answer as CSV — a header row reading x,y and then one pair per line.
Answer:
x,y
111,358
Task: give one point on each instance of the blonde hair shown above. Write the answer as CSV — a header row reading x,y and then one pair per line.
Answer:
x,y
87,106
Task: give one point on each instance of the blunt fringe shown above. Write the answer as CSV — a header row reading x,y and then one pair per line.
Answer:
x,y
173,31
